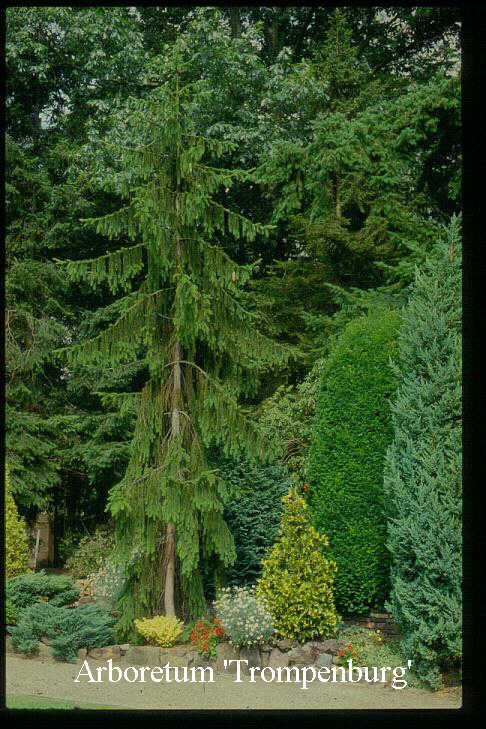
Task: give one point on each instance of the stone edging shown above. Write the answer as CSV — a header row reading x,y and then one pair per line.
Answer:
x,y
375,621
284,654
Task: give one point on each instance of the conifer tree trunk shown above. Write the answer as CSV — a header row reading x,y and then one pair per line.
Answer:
x,y
169,587
235,22
169,603
337,201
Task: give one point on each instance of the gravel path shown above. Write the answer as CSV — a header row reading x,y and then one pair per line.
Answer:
x,y
56,680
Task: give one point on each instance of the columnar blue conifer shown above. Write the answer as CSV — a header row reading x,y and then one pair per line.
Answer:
x,y
423,468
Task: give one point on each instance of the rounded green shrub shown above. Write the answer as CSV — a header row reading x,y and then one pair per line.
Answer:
x,y
27,590
345,465
11,614
87,626
16,544
297,580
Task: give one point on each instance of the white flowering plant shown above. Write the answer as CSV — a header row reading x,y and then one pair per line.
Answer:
x,y
245,619
107,584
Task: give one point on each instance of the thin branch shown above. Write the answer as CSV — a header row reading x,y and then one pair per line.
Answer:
x,y
192,364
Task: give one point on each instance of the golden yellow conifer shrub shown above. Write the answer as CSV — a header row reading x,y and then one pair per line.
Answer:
x,y
160,630
298,578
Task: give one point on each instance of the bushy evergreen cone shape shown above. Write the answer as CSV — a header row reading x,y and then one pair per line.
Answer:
x,y
201,346
297,580
252,514
16,546
345,466
423,469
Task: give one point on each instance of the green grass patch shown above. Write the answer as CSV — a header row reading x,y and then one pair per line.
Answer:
x,y
44,702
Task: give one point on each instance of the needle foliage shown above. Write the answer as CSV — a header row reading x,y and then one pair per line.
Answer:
x,y
200,343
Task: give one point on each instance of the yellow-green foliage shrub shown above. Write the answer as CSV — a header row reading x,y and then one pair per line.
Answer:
x,y
159,630
297,580
16,546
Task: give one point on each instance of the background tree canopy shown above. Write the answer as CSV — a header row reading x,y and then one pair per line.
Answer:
x,y
334,133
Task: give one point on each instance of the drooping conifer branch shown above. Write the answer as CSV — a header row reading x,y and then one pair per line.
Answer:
x,y
238,225
115,224
116,268
117,341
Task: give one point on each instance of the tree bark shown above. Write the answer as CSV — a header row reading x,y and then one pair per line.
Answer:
x,y
169,588
170,535
235,21
337,200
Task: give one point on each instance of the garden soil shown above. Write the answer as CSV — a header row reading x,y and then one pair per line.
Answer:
x,y
48,678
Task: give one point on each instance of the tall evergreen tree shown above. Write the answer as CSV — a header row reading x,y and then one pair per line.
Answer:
x,y
201,346
423,468
361,170
64,449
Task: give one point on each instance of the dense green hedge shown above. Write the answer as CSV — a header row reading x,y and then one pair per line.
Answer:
x,y
423,470
345,465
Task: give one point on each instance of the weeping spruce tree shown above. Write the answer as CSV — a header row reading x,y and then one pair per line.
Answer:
x,y
201,345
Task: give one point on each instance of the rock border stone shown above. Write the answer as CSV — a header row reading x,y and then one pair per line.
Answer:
x,y
283,654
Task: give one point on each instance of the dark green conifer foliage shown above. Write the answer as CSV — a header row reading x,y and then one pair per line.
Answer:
x,y
345,466
423,468
201,345
253,513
